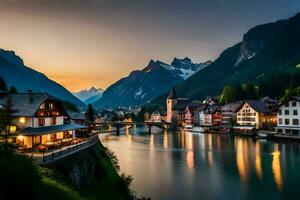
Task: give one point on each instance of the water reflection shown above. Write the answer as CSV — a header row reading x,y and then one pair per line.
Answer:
x,y
276,168
258,165
201,164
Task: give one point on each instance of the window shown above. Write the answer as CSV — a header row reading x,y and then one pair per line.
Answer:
x,y
53,120
286,112
287,121
288,131
286,104
51,105
294,103
279,121
279,130
22,120
279,112
12,129
41,121
295,121
295,112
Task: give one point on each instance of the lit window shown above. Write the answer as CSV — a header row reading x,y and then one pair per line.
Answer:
x,y
12,129
22,120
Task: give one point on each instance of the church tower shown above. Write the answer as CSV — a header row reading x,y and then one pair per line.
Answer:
x,y
171,101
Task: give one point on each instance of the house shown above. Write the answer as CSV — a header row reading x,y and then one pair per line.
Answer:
x,y
210,116
75,117
156,116
288,116
191,113
39,120
229,113
254,114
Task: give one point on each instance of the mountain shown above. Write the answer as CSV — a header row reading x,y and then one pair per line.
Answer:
x,y
89,96
266,54
143,85
15,73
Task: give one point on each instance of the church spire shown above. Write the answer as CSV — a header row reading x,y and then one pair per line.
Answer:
x,y
172,94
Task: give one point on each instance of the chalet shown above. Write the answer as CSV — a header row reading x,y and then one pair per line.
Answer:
x,y
229,113
254,114
288,116
210,116
39,120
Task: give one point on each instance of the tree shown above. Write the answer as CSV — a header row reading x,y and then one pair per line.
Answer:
x,y
12,90
6,126
227,95
3,85
90,115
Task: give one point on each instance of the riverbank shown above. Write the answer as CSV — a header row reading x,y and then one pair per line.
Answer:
x,y
89,174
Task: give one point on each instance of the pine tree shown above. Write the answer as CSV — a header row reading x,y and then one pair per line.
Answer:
x,y
6,119
90,115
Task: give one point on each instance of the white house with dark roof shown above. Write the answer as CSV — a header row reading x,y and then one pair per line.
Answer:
x,y
255,114
39,120
288,115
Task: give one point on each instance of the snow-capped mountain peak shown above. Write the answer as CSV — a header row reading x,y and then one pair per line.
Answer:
x,y
89,96
143,85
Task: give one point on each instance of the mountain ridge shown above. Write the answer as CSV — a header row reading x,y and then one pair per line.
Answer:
x,y
15,73
140,86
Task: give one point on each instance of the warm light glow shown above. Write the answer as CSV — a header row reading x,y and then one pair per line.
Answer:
x,y
190,159
276,168
165,139
22,120
242,163
258,161
20,137
12,129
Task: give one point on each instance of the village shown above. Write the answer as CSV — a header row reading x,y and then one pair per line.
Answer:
x,y
261,118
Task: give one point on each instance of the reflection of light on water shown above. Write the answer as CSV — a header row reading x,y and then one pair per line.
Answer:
x,y
189,140
165,139
258,161
277,168
241,159
190,159
151,142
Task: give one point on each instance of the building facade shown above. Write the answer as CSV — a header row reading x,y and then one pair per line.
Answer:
x,y
39,119
288,116
256,114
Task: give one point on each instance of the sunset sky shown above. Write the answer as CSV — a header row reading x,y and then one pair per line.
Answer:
x,y
84,43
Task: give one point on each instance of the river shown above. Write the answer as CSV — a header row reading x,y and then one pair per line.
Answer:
x,y
185,165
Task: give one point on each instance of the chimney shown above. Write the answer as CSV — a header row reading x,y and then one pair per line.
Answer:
x,y
30,96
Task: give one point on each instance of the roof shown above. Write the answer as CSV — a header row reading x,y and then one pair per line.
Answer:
x,y
296,98
172,94
181,104
50,129
26,104
75,115
267,99
211,109
258,106
232,106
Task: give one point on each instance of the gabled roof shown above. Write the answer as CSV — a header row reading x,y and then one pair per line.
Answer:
x,y
211,109
75,115
267,99
172,94
258,106
232,106
27,104
296,98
